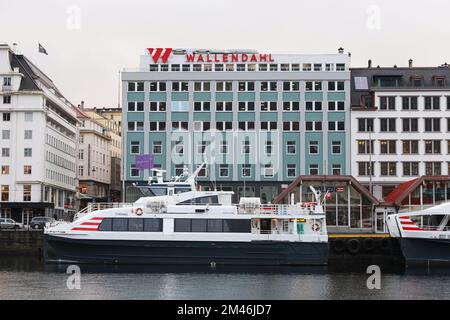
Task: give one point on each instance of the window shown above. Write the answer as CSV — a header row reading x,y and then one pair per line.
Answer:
x,y
135,86
388,168
175,68
313,169
246,170
246,125
158,106
156,126
433,168
291,147
81,154
432,124
365,168
6,116
365,146
365,125
135,126
268,125
387,125
409,103
336,125
224,106
246,86
180,86
153,68
7,81
246,147
180,106
202,106
291,106
224,86
6,99
273,67
80,170
157,86
285,67
387,103
361,83
313,125
179,148
246,106
291,170
135,147
410,146
268,106
313,105
224,171
388,146
27,152
218,67
291,126
336,86
202,86
5,134
202,126
157,147
134,172
240,67
5,170
307,67
262,67
223,147
432,103
336,147
224,125
291,86
5,152
295,67
410,168
336,105
410,124
135,106
313,86
164,67
313,147
28,116
268,86
26,192
336,169
180,126
432,146
268,171
28,134
5,193
201,147
268,147
27,169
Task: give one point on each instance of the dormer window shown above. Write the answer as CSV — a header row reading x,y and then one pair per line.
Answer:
x,y
439,81
417,81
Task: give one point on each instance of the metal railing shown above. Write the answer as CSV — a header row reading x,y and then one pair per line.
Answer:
x,y
276,209
100,206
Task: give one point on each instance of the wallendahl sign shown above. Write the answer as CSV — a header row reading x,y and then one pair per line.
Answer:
x,y
163,54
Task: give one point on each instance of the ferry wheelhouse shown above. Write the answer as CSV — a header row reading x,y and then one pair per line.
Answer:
x,y
174,223
424,235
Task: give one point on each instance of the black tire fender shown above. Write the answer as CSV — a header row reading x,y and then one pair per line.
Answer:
x,y
338,245
369,244
353,246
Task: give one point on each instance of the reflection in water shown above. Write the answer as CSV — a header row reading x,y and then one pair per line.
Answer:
x,y
27,278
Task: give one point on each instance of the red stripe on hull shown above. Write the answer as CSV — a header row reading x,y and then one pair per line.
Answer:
x,y
412,229
84,229
90,223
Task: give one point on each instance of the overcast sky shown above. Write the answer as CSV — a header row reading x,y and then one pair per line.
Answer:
x,y
89,41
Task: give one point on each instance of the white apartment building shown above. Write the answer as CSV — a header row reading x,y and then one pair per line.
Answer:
x,y
400,122
38,135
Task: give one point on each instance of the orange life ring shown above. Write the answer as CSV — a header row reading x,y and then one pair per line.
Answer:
x,y
139,211
315,227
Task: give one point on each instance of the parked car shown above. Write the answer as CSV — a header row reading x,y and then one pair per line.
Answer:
x,y
40,222
6,223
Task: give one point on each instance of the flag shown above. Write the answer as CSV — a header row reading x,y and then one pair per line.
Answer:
x,y
145,161
42,49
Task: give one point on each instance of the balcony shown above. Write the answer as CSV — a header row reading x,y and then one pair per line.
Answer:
x,y
6,88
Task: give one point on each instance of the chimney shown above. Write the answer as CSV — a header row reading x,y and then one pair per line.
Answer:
x,y
369,64
410,63
341,50
82,105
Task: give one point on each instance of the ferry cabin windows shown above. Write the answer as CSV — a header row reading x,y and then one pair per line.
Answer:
x,y
131,225
213,225
211,200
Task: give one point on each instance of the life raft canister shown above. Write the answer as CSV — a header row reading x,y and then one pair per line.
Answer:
x,y
139,211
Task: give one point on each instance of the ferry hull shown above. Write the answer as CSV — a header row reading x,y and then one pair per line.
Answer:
x,y
263,253
426,252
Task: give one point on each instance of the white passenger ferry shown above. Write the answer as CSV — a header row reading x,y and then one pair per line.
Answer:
x,y
176,224
424,235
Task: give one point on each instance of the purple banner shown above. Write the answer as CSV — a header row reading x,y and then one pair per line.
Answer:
x,y
144,161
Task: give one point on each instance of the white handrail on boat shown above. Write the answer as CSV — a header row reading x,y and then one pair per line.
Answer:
x,y
100,206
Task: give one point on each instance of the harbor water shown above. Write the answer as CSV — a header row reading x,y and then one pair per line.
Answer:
x,y
28,278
